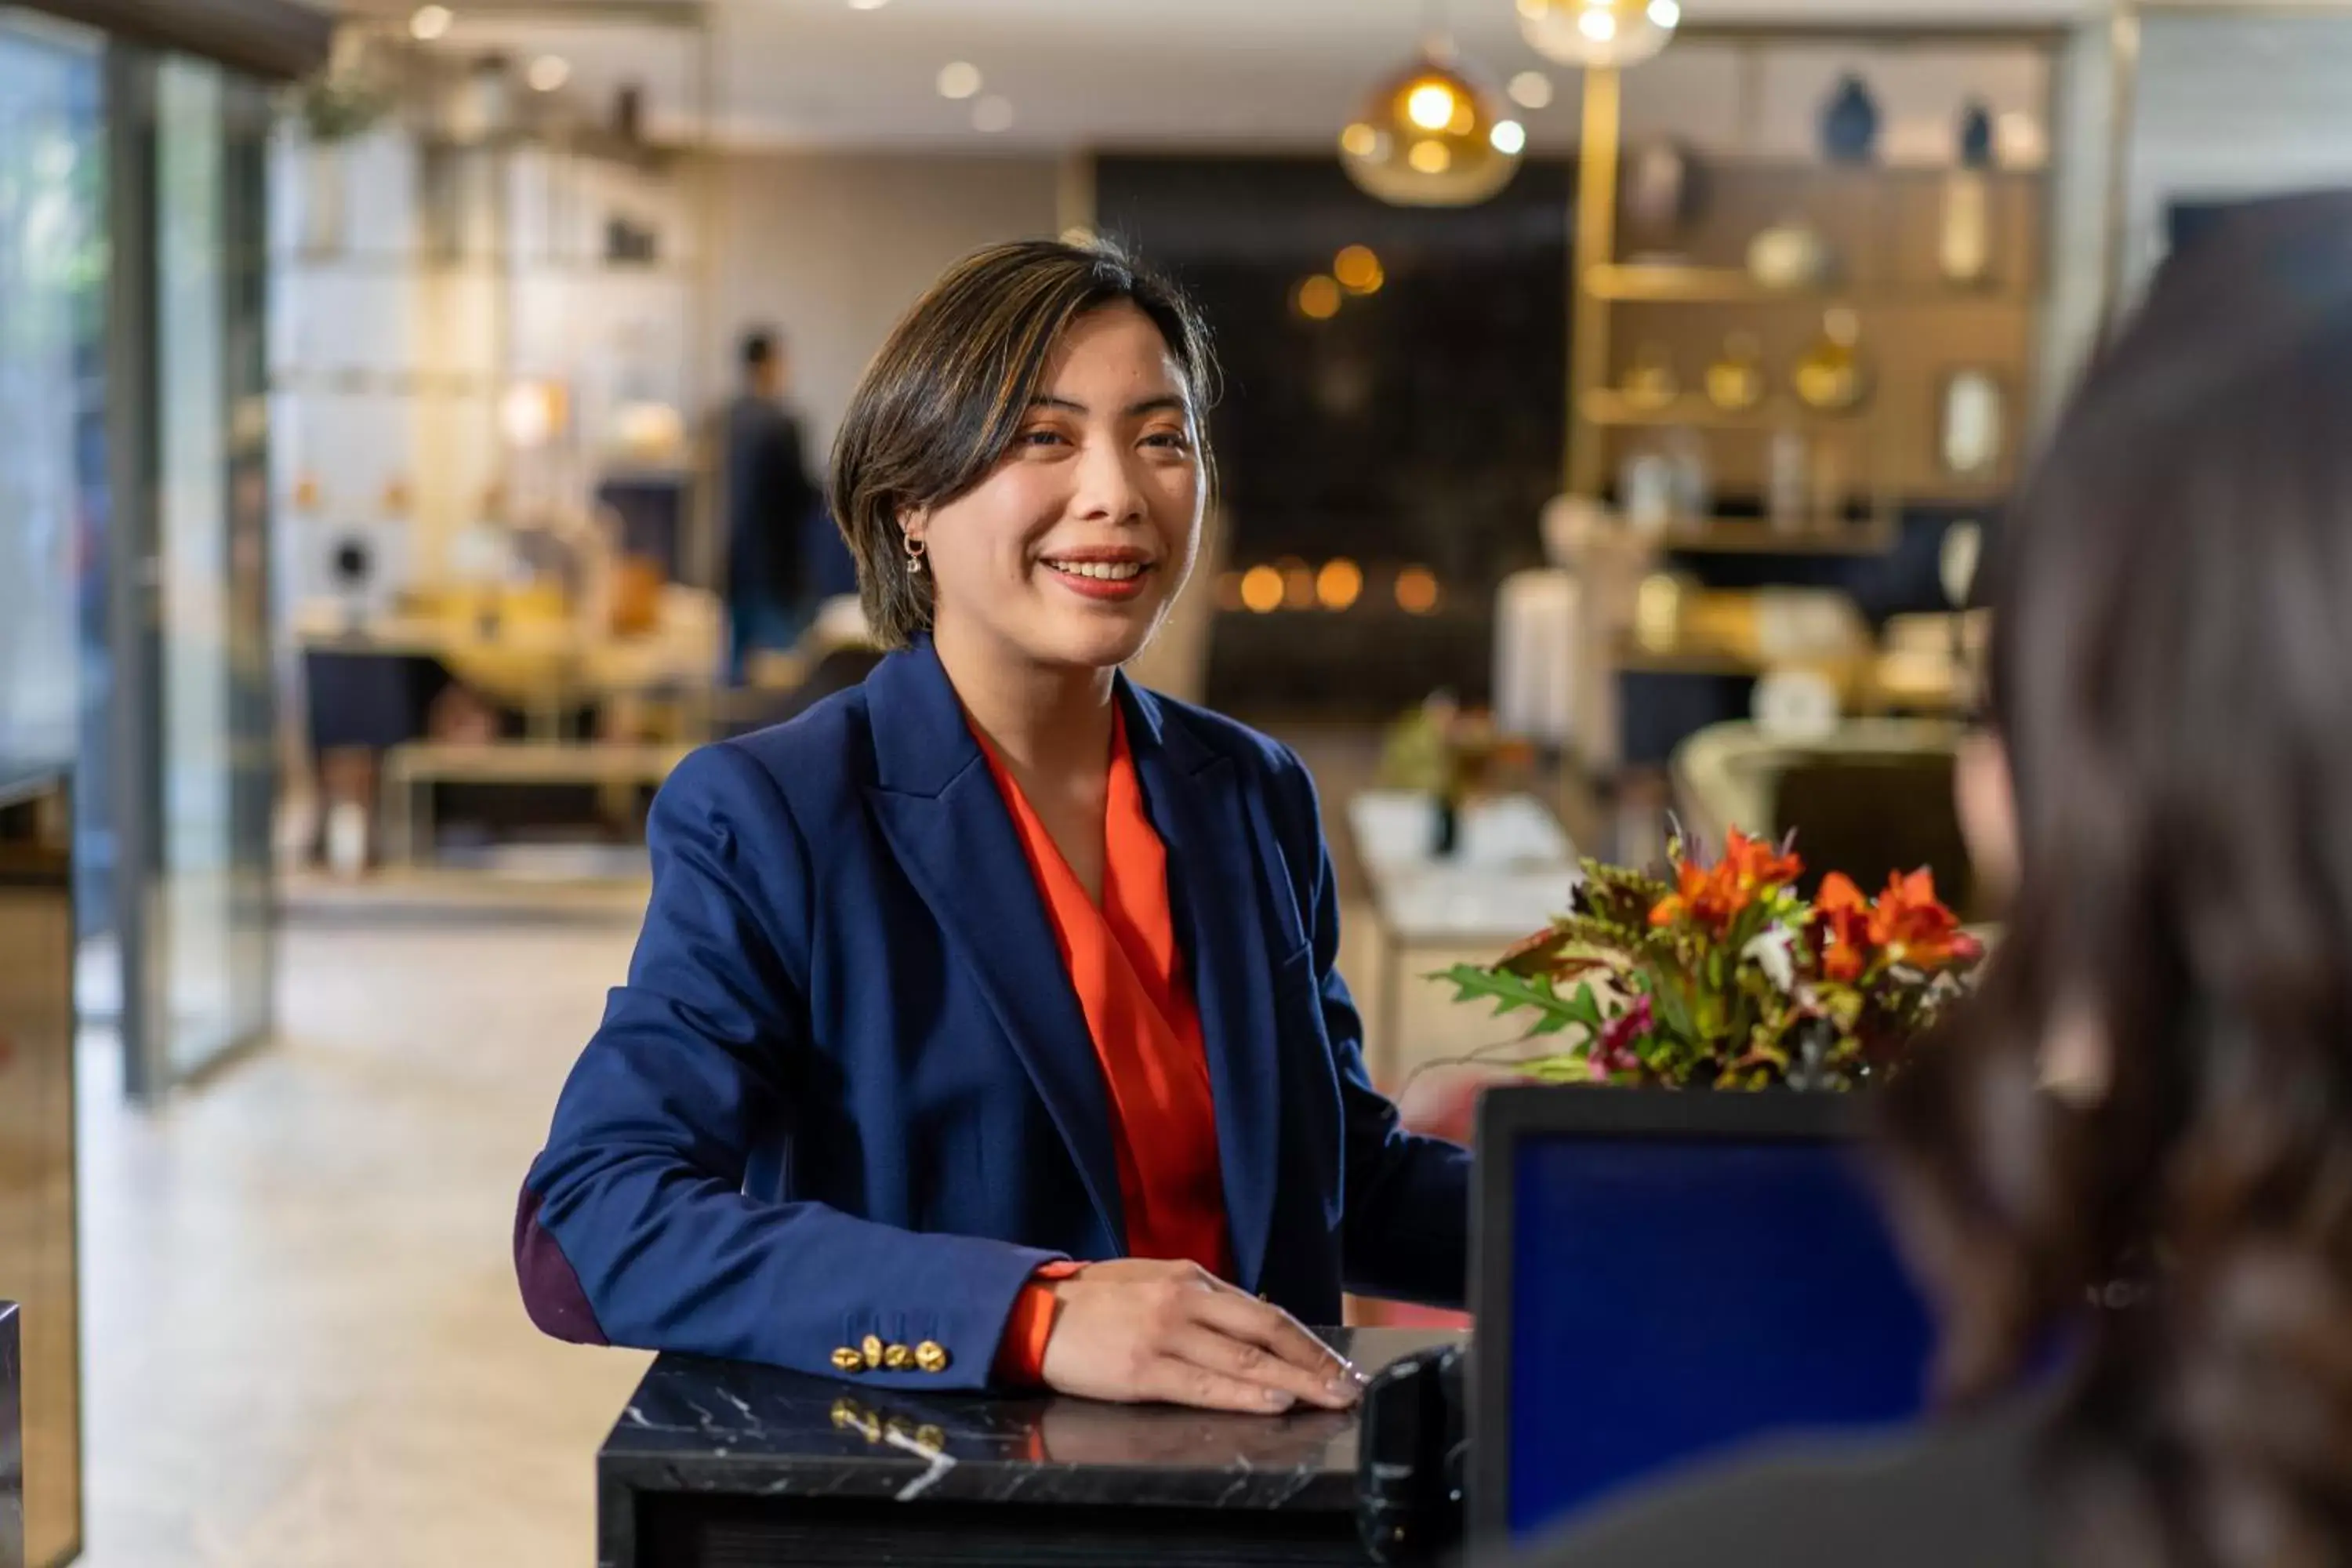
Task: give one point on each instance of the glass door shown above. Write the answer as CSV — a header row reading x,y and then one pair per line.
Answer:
x,y
196,718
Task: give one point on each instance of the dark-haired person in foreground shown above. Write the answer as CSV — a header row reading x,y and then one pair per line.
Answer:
x,y
985,1026
2139,1139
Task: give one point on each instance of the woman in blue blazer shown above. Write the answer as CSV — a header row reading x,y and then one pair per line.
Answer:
x,y
851,1114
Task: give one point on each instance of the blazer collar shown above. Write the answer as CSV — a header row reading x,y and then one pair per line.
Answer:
x,y
922,741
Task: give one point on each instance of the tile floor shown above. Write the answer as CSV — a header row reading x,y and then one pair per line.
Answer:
x,y
302,1339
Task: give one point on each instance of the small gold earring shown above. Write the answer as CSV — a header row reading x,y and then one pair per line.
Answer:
x,y
915,548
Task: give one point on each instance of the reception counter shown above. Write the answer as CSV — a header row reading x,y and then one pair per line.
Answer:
x,y
717,1462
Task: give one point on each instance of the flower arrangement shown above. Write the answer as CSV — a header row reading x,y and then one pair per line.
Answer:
x,y
1726,978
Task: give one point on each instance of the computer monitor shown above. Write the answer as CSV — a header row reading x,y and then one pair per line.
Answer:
x,y
1660,1278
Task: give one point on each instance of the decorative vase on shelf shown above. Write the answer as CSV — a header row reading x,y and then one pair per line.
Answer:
x,y
1964,242
1651,384
1735,381
1970,440
1785,486
1831,377
1975,146
1850,122
1789,255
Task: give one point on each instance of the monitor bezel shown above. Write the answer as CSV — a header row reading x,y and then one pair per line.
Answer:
x,y
1511,1114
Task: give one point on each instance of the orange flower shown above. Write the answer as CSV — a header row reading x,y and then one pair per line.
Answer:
x,y
1844,916
1758,868
1914,927
1750,869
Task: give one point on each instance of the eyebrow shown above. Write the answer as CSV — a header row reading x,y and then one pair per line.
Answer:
x,y
1169,403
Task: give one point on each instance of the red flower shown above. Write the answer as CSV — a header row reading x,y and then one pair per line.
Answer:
x,y
1843,918
1750,869
1613,1052
1914,927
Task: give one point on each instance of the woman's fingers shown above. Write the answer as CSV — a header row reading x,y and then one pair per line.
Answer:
x,y
1177,1380
1247,1362
1276,1333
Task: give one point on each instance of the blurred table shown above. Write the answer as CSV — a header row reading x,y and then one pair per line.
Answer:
x,y
1512,870
722,1462
412,769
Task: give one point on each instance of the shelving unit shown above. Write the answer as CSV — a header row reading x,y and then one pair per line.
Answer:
x,y
1882,228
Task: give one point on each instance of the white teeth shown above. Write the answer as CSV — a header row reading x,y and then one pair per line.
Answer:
x,y
1104,571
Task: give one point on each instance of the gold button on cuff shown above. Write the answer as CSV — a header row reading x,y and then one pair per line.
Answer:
x,y
848,1360
873,1348
931,1356
897,1358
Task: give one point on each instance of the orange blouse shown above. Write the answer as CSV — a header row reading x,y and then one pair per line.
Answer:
x,y
1124,963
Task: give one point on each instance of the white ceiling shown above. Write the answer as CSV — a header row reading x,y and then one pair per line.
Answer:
x,y
1158,73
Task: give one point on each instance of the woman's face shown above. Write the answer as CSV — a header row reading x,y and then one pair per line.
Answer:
x,y
1072,548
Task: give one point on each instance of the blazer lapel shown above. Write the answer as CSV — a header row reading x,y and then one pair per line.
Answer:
x,y
1194,796
939,807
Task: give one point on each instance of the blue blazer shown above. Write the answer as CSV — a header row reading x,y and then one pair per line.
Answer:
x,y
847,1091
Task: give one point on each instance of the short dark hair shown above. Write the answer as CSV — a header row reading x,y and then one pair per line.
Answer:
x,y
759,348
945,397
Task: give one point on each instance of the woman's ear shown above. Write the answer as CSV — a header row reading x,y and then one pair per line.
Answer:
x,y
1987,802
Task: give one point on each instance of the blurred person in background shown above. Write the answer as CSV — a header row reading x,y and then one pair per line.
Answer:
x,y
986,1027
2135,1145
769,504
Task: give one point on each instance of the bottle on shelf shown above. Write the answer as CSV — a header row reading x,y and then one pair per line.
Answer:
x,y
1735,381
1830,376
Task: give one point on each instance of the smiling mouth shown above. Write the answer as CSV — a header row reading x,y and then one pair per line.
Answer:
x,y
1101,571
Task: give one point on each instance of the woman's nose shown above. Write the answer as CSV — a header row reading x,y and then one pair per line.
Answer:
x,y
1108,484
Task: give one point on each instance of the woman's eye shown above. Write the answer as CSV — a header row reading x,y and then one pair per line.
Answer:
x,y
1168,441
1041,438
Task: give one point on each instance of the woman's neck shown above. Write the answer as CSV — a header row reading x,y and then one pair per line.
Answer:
x,y
1045,721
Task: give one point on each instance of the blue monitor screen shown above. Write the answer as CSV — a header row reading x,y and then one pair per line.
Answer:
x,y
1673,1298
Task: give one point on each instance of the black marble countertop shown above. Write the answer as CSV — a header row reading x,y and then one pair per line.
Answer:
x,y
724,1427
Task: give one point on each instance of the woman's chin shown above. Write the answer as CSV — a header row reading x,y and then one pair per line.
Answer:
x,y
1099,637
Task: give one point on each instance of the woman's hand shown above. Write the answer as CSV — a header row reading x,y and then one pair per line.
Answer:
x,y
1138,1330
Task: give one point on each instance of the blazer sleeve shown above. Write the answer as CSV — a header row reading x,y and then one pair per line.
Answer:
x,y
1406,1235
633,1227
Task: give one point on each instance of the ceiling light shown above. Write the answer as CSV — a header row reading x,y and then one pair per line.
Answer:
x,y
1262,590
1416,590
992,115
1509,138
867,5
431,21
1318,299
1430,105
1599,32
1531,90
1426,138
550,72
958,80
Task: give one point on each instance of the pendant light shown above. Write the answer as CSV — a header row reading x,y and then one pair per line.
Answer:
x,y
1433,135
1599,32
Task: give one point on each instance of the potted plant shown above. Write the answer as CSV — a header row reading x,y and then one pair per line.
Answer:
x,y
1725,978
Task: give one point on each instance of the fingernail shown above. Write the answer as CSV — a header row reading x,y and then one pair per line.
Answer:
x,y
1343,1391
1276,1399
